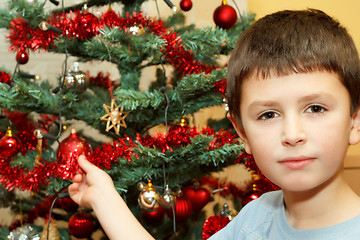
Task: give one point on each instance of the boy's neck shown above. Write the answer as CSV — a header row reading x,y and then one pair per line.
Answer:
x,y
330,204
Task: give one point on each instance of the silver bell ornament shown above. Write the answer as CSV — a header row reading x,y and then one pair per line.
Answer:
x,y
168,198
149,198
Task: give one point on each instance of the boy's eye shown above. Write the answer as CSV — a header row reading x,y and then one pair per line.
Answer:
x,y
316,109
267,115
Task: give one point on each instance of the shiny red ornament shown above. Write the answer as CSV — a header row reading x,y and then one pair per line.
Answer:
x,y
212,225
225,16
153,218
69,151
74,145
198,197
183,209
81,225
22,57
9,145
186,5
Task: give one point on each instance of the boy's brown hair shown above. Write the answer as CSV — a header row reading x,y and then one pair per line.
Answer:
x,y
289,42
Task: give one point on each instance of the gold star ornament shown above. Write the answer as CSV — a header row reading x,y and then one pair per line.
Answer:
x,y
115,117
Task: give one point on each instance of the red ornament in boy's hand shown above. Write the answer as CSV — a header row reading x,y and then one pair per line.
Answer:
x,y
68,153
73,145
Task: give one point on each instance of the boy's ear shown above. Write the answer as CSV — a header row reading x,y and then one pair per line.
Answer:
x,y
240,131
355,128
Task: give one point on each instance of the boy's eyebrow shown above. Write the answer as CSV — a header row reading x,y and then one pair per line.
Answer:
x,y
315,96
265,103
307,98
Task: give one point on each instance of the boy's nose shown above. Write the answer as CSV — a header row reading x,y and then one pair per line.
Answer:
x,y
293,132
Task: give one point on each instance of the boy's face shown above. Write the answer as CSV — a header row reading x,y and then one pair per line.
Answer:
x,y
298,127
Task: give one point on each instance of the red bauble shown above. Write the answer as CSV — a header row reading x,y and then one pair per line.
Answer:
x,y
9,145
68,153
225,16
73,146
183,209
212,225
155,217
81,225
186,5
22,57
198,197
68,204
251,195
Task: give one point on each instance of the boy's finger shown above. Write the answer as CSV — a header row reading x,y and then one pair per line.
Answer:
x,y
84,164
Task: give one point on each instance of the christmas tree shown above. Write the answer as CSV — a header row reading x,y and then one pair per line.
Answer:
x,y
152,149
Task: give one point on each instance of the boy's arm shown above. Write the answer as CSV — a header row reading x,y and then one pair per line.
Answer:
x,y
95,189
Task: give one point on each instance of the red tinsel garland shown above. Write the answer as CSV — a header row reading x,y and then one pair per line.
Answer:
x,y
84,25
5,78
101,80
104,156
213,224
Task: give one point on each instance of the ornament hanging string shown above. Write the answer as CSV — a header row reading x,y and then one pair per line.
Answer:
x,y
166,126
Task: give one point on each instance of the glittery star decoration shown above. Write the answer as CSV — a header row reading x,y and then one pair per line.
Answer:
x,y
115,117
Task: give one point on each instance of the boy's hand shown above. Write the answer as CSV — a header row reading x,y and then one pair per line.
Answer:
x,y
87,187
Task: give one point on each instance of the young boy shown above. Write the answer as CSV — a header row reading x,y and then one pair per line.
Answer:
x,y
294,96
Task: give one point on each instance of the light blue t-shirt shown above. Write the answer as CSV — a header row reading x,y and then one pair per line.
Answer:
x,y
264,218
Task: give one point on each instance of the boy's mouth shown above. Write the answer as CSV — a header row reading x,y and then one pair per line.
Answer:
x,y
296,162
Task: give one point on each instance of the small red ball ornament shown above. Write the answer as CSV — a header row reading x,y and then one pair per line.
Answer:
x,y
81,225
198,197
253,194
9,145
22,57
186,5
183,209
225,16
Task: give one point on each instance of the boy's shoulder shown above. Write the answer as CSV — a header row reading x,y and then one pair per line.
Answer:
x,y
267,204
264,219
254,218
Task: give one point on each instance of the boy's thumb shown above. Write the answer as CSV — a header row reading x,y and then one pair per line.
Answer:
x,y
84,164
